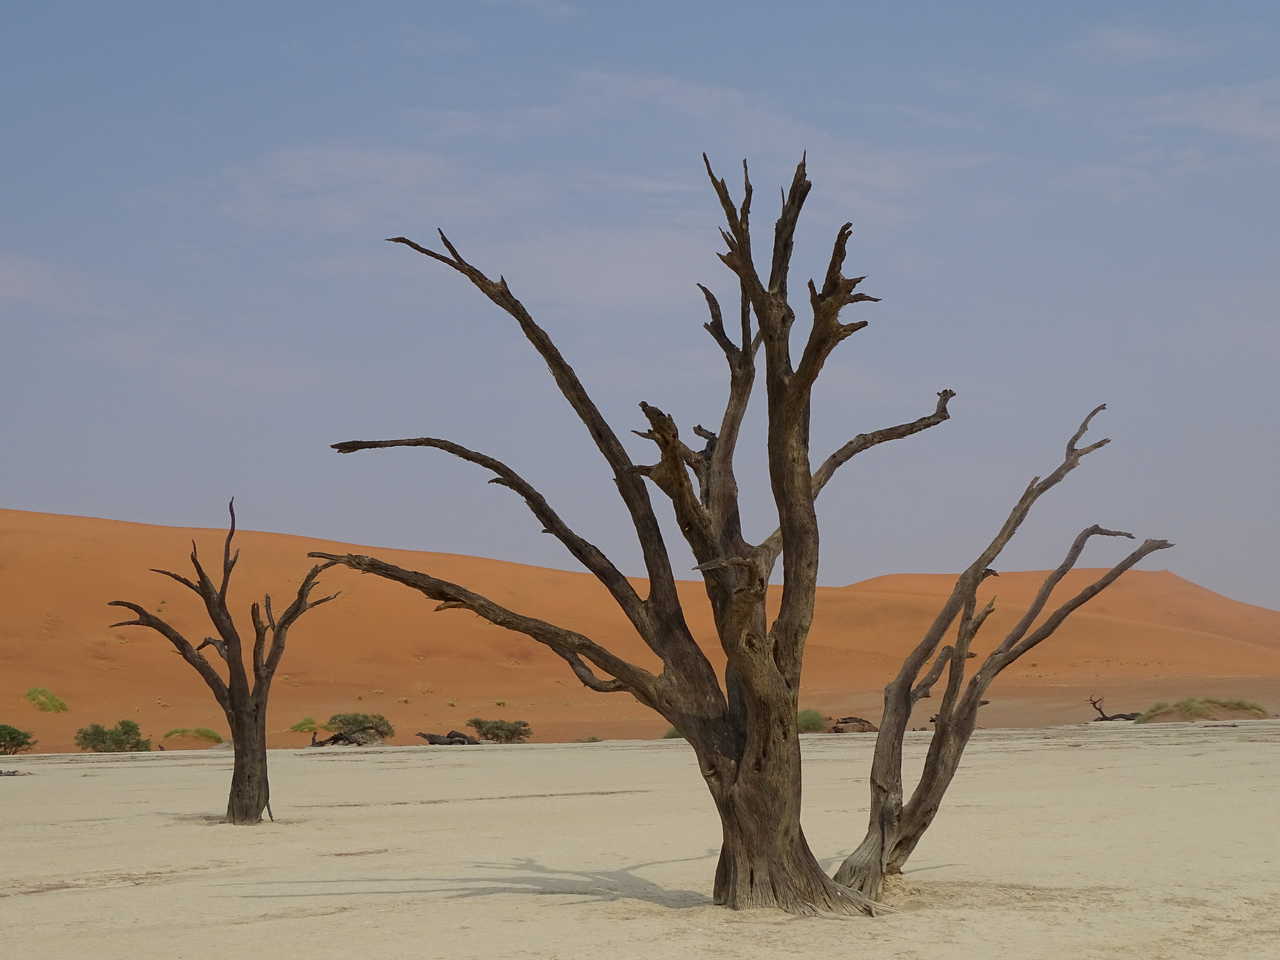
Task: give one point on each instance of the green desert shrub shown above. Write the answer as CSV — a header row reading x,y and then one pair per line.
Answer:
x,y
46,701
501,731
356,722
13,740
810,721
305,725
1201,708
672,734
195,733
124,737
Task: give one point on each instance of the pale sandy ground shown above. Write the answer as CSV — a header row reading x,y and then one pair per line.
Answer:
x,y
1092,841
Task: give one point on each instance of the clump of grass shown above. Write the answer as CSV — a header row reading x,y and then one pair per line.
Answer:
x,y
810,721
359,722
196,733
1201,708
501,731
45,700
589,740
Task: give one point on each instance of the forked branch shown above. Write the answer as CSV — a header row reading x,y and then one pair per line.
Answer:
x,y
966,586
269,634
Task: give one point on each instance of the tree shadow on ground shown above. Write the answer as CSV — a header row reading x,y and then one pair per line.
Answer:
x,y
521,876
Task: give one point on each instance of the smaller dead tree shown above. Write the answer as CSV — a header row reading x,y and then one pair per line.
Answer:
x,y
896,827
1096,703
244,703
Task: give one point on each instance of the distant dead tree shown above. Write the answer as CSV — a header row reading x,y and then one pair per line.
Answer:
x,y
896,827
244,705
1096,703
744,733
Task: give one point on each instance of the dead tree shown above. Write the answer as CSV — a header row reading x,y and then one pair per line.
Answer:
x,y
896,827
1096,703
744,733
243,703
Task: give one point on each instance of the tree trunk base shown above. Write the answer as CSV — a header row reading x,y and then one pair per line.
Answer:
x,y
250,787
756,876
863,871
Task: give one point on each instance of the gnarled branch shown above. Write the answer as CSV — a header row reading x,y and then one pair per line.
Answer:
x,y
145,618
643,685
583,551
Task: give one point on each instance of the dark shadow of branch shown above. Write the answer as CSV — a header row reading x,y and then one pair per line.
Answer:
x,y
523,875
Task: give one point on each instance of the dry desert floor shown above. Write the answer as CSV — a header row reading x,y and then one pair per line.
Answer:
x,y
1090,841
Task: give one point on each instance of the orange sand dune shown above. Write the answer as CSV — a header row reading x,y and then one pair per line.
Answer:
x,y
381,649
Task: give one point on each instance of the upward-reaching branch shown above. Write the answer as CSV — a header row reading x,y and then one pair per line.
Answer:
x,y
967,583
630,485
771,546
865,441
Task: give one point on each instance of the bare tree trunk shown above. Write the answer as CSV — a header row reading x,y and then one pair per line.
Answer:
x,y
945,752
864,870
765,860
894,829
250,787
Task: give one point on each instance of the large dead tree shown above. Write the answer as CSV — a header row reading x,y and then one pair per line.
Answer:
x,y
896,827
744,731
243,702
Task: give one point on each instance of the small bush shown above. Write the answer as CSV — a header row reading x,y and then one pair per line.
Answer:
x,y
46,701
589,740
501,731
196,733
810,721
124,737
355,722
305,725
13,740
672,734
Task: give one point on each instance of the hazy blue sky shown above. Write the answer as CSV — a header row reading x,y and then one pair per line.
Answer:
x,y
1061,204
